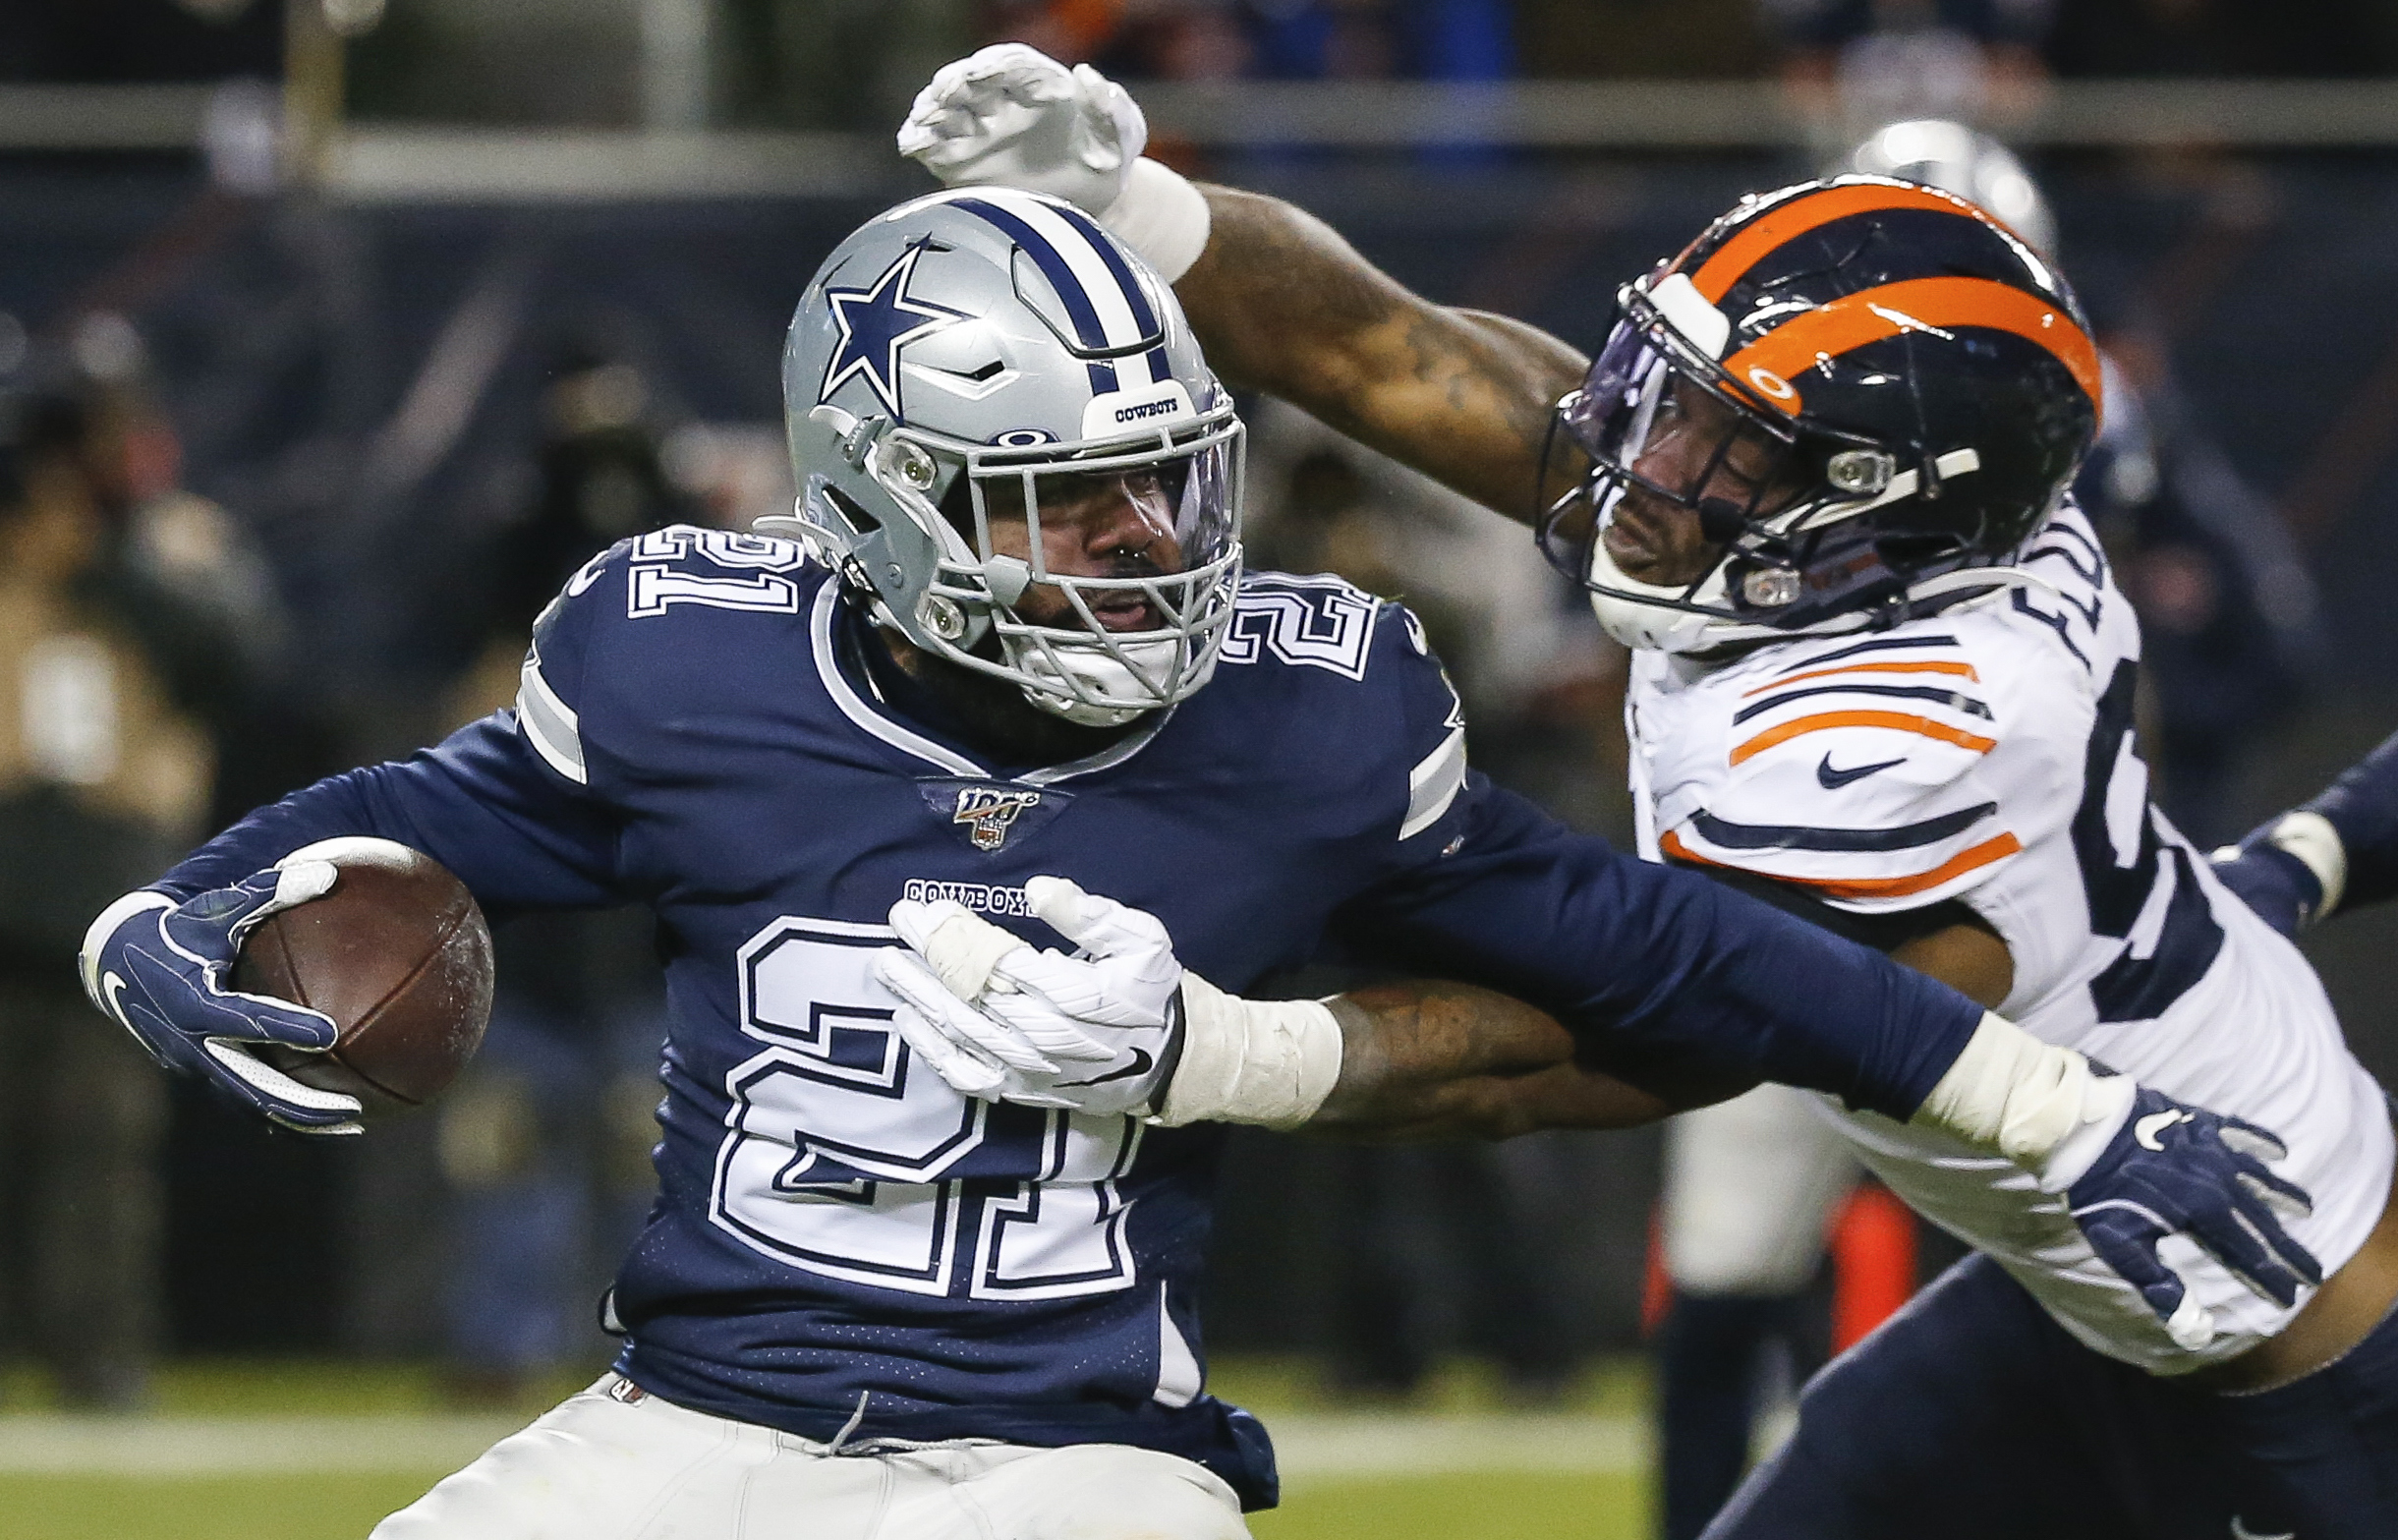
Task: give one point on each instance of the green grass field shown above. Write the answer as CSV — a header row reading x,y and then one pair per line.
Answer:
x,y
1451,1462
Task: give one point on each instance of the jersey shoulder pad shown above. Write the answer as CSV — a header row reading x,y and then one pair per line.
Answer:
x,y
1858,771
602,632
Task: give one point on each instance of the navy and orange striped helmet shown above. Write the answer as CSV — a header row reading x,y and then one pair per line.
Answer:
x,y
1895,391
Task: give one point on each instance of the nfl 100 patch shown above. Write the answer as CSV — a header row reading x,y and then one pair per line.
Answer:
x,y
990,813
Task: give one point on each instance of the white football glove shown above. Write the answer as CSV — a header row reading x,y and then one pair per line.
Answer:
x,y
1119,1028
1095,1032
1012,116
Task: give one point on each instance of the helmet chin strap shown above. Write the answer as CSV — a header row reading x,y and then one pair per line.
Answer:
x,y
1649,624
1099,672
1642,615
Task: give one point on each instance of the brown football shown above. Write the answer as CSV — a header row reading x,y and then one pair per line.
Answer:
x,y
398,955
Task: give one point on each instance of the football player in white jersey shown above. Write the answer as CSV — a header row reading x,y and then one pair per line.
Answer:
x,y
1817,478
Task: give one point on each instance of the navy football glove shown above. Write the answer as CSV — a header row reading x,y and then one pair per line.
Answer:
x,y
2283,889
161,970
2175,1168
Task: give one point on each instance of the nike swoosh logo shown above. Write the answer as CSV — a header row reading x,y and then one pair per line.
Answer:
x,y
1833,780
2240,1531
1140,1065
110,987
2148,1128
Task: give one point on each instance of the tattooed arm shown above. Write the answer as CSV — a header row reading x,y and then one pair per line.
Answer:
x,y
1443,1060
1283,305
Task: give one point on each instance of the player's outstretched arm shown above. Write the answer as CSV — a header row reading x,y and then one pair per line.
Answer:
x,y
1126,1030
1282,302
2338,850
1279,300
1121,1027
1426,1059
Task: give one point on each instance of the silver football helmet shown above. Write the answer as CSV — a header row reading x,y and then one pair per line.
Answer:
x,y
1006,442
1967,162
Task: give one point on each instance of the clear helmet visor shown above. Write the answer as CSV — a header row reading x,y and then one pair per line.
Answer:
x,y
1652,437
1109,574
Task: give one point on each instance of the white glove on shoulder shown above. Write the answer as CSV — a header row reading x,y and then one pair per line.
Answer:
x,y
1118,1028
1012,116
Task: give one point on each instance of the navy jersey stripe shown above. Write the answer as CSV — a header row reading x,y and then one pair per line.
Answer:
x,y
1887,644
1912,692
1728,835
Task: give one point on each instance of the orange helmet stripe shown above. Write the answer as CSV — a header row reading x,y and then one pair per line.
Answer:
x,y
1788,221
1771,364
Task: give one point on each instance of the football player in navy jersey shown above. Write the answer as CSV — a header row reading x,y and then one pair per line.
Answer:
x,y
1004,658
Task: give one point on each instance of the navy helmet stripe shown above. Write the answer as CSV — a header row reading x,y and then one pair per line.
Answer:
x,y
1135,298
1053,267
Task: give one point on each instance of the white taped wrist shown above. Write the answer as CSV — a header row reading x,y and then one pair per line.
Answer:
x,y
2312,838
1161,215
1251,1061
2039,1104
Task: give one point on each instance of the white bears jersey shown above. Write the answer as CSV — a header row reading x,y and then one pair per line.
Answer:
x,y
1986,756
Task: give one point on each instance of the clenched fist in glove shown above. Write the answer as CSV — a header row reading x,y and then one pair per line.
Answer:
x,y
1012,116
1121,1027
162,971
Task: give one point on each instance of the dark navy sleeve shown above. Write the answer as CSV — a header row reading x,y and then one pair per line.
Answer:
x,y
2362,805
504,803
479,803
1655,968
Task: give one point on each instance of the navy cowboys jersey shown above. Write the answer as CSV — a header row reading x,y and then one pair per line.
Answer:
x,y
843,1240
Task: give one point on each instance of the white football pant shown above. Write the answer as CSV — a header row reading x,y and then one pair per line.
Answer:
x,y
613,1464
1749,1186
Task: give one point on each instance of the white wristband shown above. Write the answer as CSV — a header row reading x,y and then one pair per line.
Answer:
x,y
1251,1061
2312,838
1162,216
2036,1104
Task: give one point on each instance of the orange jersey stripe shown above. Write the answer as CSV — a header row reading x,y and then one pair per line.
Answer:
x,y
1960,670
1770,365
1719,272
1956,865
1901,721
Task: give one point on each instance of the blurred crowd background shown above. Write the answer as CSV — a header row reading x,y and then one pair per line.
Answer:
x,y
334,333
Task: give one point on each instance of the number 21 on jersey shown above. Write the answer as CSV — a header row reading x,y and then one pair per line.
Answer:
x,y
845,1158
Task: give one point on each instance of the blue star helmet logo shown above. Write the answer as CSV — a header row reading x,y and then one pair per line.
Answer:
x,y
876,324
